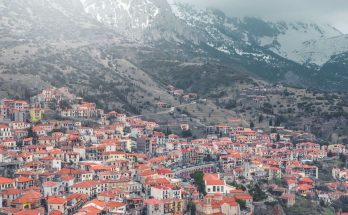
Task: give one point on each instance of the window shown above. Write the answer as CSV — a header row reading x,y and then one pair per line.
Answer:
x,y
214,188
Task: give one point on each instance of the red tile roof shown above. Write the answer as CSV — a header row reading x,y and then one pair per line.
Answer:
x,y
11,191
215,182
29,197
50,184
243,196
56,200
22,179
152,201
56,212
4,180
30,212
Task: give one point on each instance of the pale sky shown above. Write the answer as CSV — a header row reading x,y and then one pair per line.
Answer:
x,y
333,12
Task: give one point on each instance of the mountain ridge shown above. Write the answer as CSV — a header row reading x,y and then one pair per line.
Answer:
x,y
37,31
294,41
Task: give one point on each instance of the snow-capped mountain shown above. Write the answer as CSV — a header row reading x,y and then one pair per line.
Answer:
x,y
304,43
294,53
221,32
144,20
320,51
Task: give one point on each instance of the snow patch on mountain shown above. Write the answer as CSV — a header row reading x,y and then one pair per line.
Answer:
x,y
304,43
320,51
122,14
222,33
190,14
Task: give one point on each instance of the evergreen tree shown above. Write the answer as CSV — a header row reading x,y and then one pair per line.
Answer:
x,y
242,204
186,133
261,118
270,122
278,137
198,178
191,208
257,193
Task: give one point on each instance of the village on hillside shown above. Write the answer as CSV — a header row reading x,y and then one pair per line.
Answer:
x,y
62,155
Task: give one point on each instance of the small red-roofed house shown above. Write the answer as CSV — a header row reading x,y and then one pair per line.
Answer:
x,y
154,206
307,181
113,195
217,204
25,157
81,150
51,188
113,156
116,207
151,181
52,163
9,195
87,187
57,203
75,200
160,138
47,140
89,210
5,132
246,197
39,131
28,141
9,143
213,184
19,125
67,181
229,207
142,175
165,192
24,183
166,172
72,157
6,183
337,148
157,160
304,189
31,199
307,145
